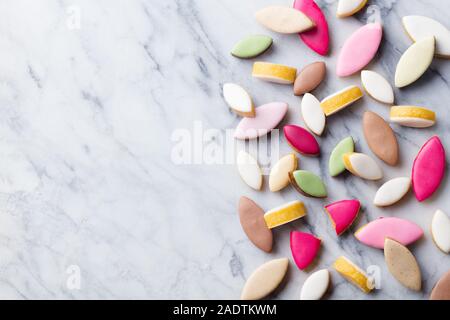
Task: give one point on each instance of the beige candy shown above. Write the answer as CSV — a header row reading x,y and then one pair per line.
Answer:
x,y
265,279
284,19
279,175
402,264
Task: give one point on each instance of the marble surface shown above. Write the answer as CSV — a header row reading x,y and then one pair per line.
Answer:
x,y
94,96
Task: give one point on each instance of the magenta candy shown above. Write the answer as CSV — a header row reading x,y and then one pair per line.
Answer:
x,y
343,214
428,169
304,248
301,140
318,38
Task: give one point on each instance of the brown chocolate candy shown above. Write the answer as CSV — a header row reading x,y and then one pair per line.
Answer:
x,y
310,78
254,225
441,290
380,138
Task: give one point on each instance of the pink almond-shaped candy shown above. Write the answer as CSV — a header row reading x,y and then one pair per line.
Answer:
x,y
359,49
267,117
343,214
403,231
428,169
318,38
301,140
304,248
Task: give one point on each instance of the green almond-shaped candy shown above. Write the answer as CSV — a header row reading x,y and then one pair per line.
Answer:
x,y
252,46
308,184
336,164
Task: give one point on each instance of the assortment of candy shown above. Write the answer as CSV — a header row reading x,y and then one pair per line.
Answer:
x,y
390,234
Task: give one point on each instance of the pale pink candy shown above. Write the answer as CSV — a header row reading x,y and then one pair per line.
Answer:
x,y
318,38
359,49
428,169
267,117
343,214
304,248
400,230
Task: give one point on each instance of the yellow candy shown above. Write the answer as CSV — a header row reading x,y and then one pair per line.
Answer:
x,y
285,214
274,72
353,273
341,99
415,117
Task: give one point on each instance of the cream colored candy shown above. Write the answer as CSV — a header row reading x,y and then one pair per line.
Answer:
x,y
414,62
284,19
338,101
284,214
238,100
313,114
363,166
316,285
440,229
353,273
411,116
402,264
272,72
279,175
265,279
249,170
392,191
347,8
419,27
377,87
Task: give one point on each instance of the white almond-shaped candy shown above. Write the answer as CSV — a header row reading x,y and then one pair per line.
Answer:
x,y
313,114
265,279
279,175
284,19
363,166
440,229
238,100
316,285
419,27
249,170
415,62
377,87
347,8
392,191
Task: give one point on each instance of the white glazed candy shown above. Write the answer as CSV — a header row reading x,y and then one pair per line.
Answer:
x,y
419,27
392,191
363,166
347,8
313,114
440,229
316,285
249,170
377,87
414,62
238,100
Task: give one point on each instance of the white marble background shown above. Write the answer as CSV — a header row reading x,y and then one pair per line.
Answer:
x,y
90,95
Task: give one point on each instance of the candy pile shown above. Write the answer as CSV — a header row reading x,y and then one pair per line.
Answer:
x,y
393,235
